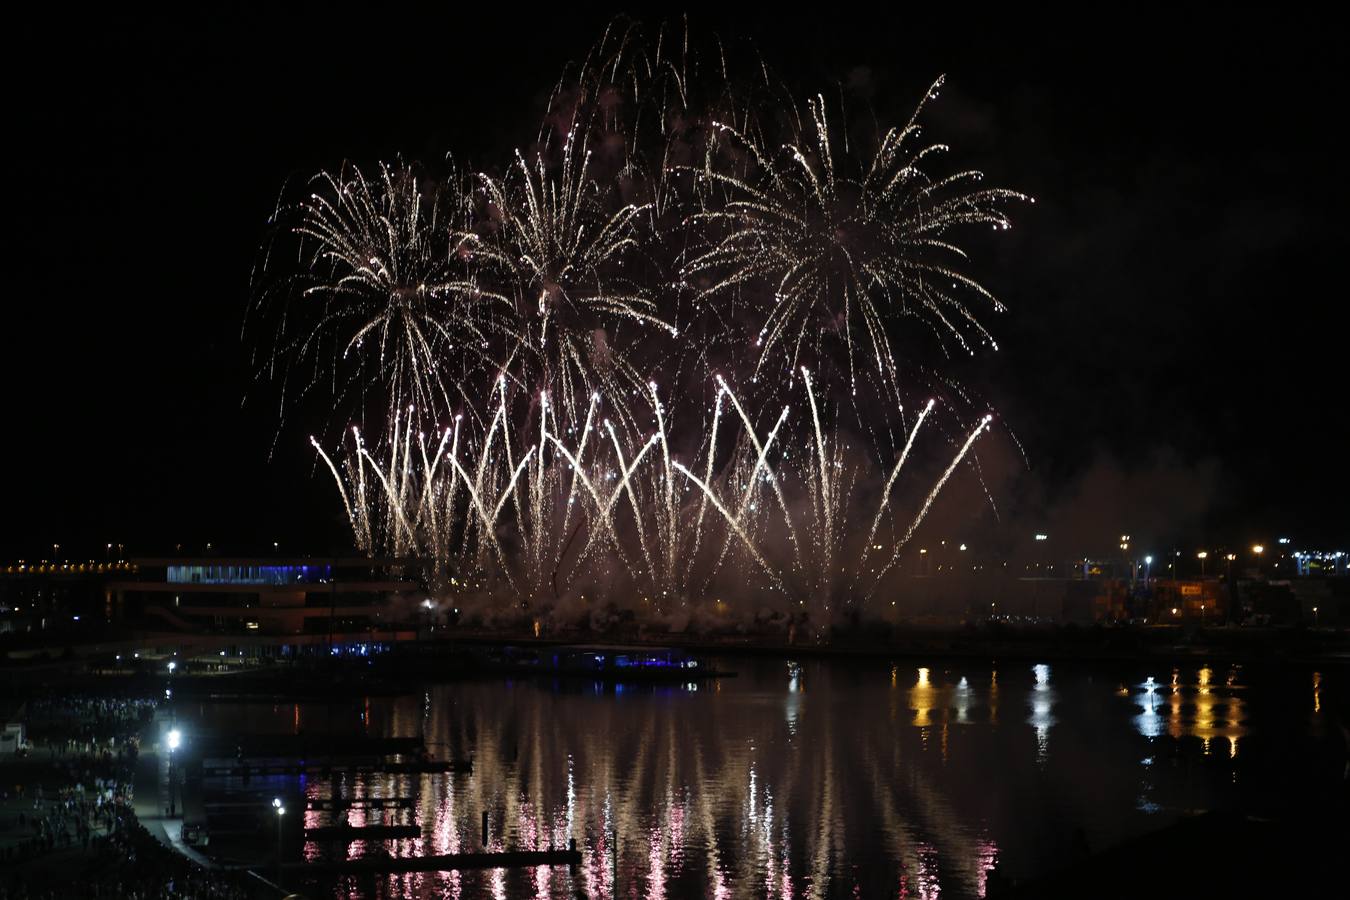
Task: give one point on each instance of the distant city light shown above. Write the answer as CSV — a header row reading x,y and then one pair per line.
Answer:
x,y
1042,537
1258,549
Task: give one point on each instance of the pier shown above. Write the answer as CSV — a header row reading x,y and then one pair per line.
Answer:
x,y
259,770
336,804
508,859
349,833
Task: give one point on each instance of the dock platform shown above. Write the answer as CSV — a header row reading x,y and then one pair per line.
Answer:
x,y
508,859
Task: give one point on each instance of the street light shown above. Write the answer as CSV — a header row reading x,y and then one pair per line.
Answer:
x,y
1258,549
281,811
1202,556
175,740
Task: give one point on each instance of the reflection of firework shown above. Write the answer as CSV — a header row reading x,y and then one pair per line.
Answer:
x,y
655,232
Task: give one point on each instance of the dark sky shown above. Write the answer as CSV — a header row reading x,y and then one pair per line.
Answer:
x,y
1175,294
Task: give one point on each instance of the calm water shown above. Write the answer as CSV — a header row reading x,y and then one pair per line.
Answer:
x,y
825,778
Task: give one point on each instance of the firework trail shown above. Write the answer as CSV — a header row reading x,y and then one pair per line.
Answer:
x,y
521,510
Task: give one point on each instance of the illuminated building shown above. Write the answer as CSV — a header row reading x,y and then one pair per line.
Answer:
x,y
267,596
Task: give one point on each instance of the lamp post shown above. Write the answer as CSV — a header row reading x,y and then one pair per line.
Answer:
x,y
281,811
1202,556
175,739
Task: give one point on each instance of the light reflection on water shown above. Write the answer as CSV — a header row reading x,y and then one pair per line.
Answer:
x,y
812,780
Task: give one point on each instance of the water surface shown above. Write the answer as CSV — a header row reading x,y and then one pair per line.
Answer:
x,y
824,778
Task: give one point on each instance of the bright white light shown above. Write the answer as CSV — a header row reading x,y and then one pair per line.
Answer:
x,y
172,665
1042,537
1148,560
175,739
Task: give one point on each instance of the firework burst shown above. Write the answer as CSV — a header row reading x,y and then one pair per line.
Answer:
x,y
384,300
682,256
843,248
563,259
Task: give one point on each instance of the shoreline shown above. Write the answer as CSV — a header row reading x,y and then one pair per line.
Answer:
x,y
1054,644
440,656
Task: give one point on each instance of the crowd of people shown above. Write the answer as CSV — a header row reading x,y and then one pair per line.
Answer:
x,y
71,816
130,864
73,723
89,746
75,793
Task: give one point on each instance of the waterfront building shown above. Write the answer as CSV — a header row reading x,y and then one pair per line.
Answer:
x,y
267,596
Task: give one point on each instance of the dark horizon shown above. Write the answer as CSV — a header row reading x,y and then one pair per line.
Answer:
x,y
1171,353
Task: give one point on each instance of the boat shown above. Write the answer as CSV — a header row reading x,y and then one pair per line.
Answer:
x,y
601,662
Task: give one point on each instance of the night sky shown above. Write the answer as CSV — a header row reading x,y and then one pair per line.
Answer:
x,y
1177,321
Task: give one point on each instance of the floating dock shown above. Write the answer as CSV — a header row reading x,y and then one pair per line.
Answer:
x,y
262,770
509,859
349,833
337,804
